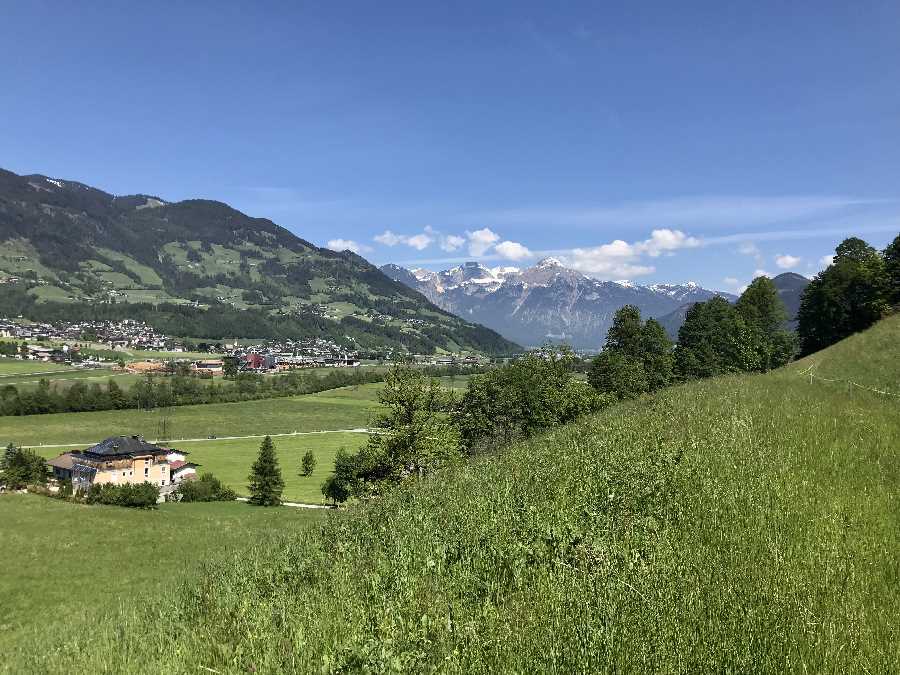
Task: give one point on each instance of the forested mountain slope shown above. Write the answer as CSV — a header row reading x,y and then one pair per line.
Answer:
x,y
737,524
204,269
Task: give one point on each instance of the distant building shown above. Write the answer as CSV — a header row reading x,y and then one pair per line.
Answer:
x,y
117,460
179,468
213,366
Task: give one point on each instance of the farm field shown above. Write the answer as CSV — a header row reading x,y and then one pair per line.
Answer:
x,y
738,524
15,367
67,563
334,409
62,379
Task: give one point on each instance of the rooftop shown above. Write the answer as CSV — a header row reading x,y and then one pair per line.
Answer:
x,y
124,445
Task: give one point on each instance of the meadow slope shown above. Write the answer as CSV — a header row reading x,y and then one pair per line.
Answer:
x,y
742,524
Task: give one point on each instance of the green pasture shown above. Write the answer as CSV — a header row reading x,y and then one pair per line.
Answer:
x,y
65,564
348,408
14,367
230,460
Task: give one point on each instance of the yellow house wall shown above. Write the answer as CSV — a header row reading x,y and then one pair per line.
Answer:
x,y
158,471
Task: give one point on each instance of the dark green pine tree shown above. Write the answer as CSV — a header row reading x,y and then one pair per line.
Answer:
x,y
266,483
8,455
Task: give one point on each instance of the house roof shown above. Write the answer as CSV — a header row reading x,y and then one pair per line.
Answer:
x,y
115,446
64,461
178,464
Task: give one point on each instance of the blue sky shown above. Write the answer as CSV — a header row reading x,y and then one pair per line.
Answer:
x,y
661,142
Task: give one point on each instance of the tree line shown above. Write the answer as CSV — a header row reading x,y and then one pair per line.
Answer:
x,y
182,388
154,391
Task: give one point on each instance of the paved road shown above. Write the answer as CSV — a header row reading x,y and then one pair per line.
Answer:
x,y
361,430
296,505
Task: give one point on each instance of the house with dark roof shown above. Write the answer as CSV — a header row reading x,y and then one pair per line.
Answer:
x,y
118,460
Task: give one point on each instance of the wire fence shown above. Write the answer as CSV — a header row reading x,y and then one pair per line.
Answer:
x,y
811,374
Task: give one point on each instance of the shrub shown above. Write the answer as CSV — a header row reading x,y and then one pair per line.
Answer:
x,y
207,488
22,467
308,464
534,393
137,495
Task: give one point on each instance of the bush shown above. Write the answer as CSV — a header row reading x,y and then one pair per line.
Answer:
x,y
22,467
207,488
534,393
618,374
137,495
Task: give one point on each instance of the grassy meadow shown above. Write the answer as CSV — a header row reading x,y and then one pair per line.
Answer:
x,y
66,564
741,524
347,408
11,368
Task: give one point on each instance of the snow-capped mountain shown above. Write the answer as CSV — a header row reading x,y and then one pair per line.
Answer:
x,y
544,302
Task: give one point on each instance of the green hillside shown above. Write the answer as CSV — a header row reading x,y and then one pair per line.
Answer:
x,y
199,268
740,524
868,359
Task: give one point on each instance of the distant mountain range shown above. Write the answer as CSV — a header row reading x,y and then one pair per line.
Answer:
x,y
199,268
547,301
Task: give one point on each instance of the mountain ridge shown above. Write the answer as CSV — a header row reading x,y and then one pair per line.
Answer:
x,y
67,248
546,301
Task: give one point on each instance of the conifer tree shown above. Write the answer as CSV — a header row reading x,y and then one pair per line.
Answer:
x,y
266,483
8,455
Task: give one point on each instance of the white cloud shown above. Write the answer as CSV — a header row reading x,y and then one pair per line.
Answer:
x,y
665,240
452,242
731,281
749,248
760,273
619,259
346,245
826,260
511,250
786,262
416,241
481,240
419,241
388,238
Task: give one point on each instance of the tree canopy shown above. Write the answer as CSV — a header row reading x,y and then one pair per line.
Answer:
x,y
637,357
848,296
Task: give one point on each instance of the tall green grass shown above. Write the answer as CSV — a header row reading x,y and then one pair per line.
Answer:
x,y
744,524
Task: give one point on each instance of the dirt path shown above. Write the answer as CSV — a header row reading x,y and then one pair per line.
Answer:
x,y
170,441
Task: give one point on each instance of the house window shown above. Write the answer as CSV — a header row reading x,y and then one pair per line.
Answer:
x,y
146,471
162,482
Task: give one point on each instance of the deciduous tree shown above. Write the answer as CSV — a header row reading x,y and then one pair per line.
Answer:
x,y
847,297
